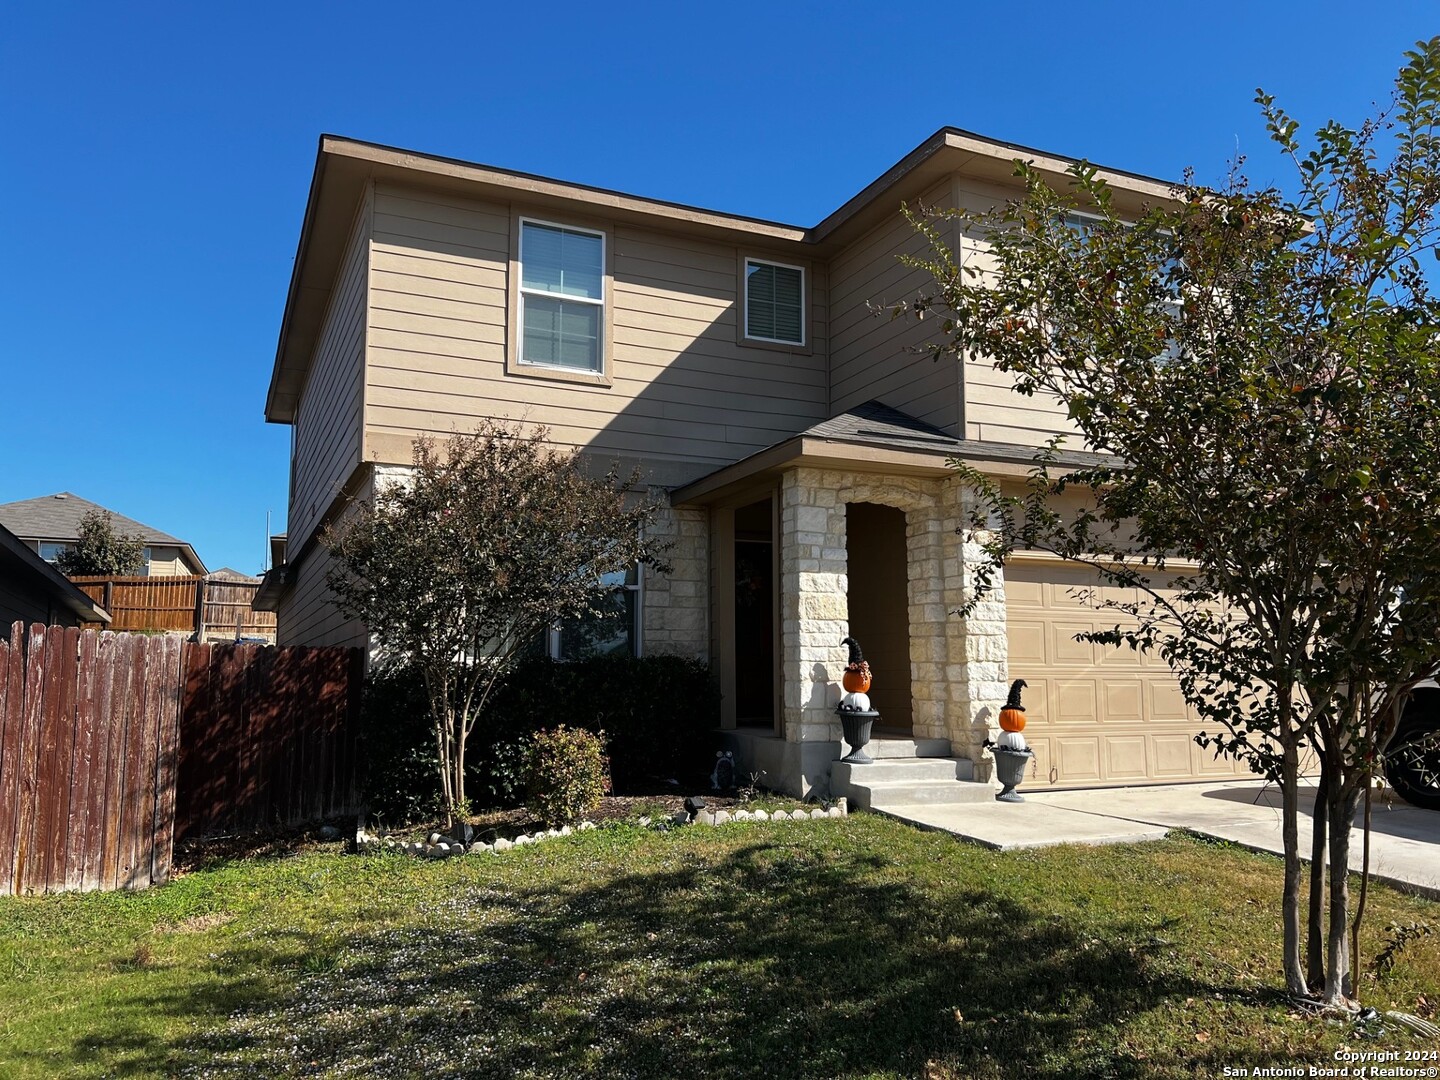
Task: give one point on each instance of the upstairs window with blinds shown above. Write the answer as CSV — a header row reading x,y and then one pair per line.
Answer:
x,y
774,302
562,297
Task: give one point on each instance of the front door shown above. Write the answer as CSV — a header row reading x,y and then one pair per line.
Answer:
x,y
879,607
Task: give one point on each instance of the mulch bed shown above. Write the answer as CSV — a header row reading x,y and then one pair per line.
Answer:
x,y
197,853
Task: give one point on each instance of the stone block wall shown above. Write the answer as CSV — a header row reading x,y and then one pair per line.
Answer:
x,y
674,609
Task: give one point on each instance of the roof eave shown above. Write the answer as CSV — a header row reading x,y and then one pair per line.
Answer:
x,y
1000,460
65,590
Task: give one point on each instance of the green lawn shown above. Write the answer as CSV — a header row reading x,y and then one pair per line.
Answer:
x,y
838,948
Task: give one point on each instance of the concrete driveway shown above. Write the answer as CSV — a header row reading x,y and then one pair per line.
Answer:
x,y
1405,841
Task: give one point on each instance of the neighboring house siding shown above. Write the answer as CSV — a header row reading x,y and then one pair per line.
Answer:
x,y
994,412
18,603
329,418
168,562
873,355
686,397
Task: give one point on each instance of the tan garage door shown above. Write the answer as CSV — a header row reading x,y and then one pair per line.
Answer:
x,y
1095,715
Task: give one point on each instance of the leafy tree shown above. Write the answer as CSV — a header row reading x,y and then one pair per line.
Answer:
x,y
493,539
99,549
1258,376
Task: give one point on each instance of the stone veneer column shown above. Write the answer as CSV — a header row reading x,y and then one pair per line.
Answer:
x,y
675,615
813,609
977,650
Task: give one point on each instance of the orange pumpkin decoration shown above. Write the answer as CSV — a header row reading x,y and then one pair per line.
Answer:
x,y
856,679
1012,716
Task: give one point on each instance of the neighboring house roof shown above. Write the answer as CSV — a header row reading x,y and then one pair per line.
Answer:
x,y
874,437
227,573
343,168
57,518
24,567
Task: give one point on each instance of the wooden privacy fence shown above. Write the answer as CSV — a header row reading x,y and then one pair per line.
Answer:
x,y
228,612
112,745
267,736
87,759
191,604
146,603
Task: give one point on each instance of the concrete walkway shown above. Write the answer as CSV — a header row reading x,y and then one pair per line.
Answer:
x,y
1405,841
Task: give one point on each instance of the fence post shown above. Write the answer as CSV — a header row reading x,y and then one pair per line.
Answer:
x,y
201,588
109,596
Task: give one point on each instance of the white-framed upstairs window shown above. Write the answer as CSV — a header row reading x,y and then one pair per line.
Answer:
x,y
774,302
562,297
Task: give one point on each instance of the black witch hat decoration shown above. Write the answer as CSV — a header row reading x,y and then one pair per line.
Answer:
x,y
1013,701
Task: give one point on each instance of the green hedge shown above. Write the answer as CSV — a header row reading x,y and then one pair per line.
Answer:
x,y
658,714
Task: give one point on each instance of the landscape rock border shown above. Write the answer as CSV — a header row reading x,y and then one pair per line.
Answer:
x,y
440,846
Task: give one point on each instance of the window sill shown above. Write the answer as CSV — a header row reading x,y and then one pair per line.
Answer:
x,y
557,374
774,346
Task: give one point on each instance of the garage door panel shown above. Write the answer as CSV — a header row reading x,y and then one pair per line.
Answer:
x,y
1171,756
1038,707
1031,593
1066,650
1044,756
1076,701
1205,763
1027,644
1166,701
1124,700
1095,714
1126,757
1078,757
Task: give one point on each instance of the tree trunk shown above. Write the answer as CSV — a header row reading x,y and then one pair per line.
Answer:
x,y
1315,938
1364,891
440,723
1290,907
1342,813
461,802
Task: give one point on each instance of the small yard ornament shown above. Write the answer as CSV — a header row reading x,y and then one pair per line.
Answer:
x,y
1012,754
723,776
856,715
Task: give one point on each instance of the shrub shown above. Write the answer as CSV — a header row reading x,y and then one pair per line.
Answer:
x,y
396,748
658,712
566,774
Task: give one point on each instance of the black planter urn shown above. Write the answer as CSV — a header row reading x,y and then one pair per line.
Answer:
x,y
857,733
1010,768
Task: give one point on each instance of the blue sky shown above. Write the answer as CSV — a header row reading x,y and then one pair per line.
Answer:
x,y
157,158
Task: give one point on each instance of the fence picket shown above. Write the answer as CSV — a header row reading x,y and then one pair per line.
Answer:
x,y
12,718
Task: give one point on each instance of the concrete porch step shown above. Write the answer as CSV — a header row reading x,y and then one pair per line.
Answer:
x,y
883,746
895,793
915,770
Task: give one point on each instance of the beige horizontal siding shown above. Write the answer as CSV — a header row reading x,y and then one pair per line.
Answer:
x,y
168,562
307,613
994,412
873,355
329,423
684,391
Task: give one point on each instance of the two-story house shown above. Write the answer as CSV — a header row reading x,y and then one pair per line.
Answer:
x,y
751,370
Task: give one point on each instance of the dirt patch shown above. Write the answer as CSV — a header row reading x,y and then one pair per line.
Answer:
x,y
196,924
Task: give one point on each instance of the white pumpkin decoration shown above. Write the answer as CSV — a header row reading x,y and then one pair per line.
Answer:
x,y
857,702
1011,740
